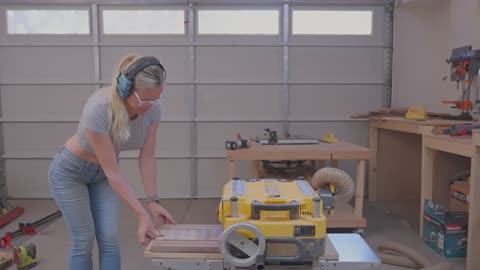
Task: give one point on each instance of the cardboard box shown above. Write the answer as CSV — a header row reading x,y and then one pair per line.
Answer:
x,y
459,196
445,231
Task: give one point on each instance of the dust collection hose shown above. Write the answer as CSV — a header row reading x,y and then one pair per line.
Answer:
x,y
344,185
389,252
407,257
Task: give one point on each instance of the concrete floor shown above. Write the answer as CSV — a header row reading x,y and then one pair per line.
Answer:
x,y
52,240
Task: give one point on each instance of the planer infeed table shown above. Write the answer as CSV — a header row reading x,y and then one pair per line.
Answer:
x,y
196,247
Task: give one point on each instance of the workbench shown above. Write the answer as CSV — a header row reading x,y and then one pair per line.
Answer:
x,y
196,247
344,215
442,157
396,150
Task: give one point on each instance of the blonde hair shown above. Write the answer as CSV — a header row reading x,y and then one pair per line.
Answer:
x,y
150,77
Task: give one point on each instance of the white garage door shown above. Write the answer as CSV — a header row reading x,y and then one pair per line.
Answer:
x,y
233,67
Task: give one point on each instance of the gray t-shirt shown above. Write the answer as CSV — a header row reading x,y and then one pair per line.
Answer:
x,y
95,117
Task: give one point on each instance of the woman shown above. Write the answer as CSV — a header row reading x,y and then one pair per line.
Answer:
x,y
85,178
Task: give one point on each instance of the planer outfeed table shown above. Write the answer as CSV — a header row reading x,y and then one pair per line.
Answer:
x,y
196,247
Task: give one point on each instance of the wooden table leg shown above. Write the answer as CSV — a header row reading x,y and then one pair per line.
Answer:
x,y
321,164
360,185
372,165
231,169
473,248
256,169
428,156
335,163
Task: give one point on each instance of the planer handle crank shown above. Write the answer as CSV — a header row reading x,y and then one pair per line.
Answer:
x,y
293,207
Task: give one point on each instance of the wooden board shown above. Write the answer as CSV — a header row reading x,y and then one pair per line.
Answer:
x,y
341,150
457,145
432,126
194,241
202,238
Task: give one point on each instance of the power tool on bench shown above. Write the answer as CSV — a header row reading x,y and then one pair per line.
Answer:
x,y
271,222
465,67
25,257
461,130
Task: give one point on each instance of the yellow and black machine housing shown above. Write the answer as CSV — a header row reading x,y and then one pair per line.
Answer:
x,y
289,215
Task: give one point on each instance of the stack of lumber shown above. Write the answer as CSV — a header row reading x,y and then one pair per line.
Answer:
x,y
395,111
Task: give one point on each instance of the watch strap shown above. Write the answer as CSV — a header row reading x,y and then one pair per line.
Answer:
x,y
153,198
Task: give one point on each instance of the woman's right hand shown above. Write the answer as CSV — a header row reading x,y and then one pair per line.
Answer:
x,y
146,228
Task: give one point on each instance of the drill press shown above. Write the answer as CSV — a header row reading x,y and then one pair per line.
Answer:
x,y
465,66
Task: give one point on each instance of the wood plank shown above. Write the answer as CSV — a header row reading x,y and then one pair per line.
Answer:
x,y
473,248
173,246
359,189
321,151
428,156
476,137
206,256
428,122
400,126
414,126
372,165
197,241
456,145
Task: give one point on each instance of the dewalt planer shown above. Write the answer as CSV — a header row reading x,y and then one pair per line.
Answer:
x,y
271,221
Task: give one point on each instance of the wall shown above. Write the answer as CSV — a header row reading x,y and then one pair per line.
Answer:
x,y
425,32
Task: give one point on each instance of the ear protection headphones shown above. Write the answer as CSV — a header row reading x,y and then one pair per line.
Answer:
x,y
125,79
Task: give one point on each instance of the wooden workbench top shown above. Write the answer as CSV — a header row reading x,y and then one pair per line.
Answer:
x,y
461,145
337,150
432,126
428,122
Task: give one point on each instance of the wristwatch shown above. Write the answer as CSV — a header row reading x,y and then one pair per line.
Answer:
x,y
153,198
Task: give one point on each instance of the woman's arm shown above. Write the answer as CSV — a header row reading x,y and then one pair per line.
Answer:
x,y
147,162
148,172
103,147
105,153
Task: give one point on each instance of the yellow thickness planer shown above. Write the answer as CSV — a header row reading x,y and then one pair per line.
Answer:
x,y
271,221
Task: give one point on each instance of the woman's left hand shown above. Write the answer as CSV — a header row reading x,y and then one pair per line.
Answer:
x,y
158,211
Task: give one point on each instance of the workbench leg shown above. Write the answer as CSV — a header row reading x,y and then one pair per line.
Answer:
x,y
473,248
360,188
321,164
335,163
372,164
231,169
256,169
428,156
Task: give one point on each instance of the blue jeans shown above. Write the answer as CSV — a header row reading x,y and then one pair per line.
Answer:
x,y
90,208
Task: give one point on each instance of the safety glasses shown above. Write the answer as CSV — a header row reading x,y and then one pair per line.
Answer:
x,y
146,102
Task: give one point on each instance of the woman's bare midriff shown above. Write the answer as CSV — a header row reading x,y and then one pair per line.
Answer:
x,y
73,146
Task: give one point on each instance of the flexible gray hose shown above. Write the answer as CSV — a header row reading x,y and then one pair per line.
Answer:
x,y
344,185
407,257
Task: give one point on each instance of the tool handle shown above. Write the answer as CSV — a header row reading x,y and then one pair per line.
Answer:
x,y
301,249
462,132
292,207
